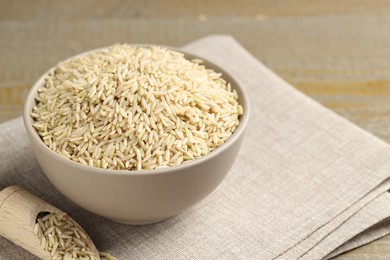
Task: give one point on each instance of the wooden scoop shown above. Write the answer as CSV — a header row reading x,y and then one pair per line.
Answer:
x,y
18,215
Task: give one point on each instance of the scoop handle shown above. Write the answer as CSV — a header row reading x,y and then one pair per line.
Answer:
x,y
18,212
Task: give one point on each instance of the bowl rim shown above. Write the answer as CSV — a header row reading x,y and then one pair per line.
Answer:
x,y
243,121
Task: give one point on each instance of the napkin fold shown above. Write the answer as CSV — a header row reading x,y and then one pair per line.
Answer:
x,y
307,184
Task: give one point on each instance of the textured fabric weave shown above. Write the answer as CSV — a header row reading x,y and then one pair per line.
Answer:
x,y
307,183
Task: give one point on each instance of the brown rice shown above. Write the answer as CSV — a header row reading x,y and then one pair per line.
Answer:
x,y
63,239
134,108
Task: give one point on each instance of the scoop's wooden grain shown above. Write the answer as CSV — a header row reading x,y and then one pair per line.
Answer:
x,y
18,213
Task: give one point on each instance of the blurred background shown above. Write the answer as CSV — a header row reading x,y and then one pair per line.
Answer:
x,y
337,52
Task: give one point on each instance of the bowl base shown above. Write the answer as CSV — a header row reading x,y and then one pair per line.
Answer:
x,y
141,222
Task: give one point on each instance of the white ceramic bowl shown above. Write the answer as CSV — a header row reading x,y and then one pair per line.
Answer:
x,y
138,197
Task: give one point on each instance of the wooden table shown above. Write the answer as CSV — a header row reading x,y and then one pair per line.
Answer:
x,y
337,52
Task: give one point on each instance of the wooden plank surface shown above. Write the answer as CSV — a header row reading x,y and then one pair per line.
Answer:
x,y
337,52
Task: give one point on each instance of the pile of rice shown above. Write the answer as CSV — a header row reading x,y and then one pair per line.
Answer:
x,y
63,239
135,108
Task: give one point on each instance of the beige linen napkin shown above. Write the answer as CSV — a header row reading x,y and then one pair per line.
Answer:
x,y
307,183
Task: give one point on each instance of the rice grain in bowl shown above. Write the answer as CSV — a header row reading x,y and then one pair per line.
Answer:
x,y
134,108
136,134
